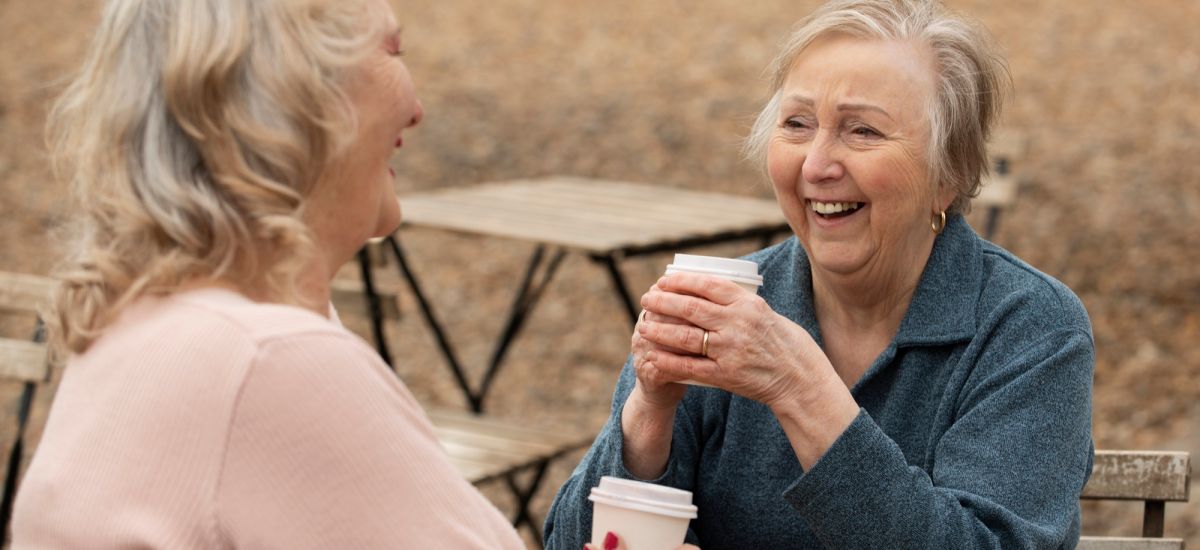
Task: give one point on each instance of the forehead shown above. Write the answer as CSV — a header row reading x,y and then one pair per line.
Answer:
x,y
896,75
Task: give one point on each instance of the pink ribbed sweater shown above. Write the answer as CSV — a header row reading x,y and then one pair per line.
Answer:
x,y
204,420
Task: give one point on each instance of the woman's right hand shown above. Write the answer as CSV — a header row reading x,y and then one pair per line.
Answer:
x,y
656,388
613,542
648,416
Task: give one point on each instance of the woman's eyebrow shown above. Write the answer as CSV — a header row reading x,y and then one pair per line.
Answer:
x,y
863,107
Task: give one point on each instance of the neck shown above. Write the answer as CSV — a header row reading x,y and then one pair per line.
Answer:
x,y
313,285
311,291
874,298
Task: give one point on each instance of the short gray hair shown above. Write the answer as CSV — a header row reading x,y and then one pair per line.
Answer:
x,y
972,80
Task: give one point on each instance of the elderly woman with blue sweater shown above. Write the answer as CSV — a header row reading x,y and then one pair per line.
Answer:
x,y
898,382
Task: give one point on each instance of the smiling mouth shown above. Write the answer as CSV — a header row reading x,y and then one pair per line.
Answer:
x,y
834,209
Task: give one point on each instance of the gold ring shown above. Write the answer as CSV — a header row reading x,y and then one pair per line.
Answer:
x,y
704,345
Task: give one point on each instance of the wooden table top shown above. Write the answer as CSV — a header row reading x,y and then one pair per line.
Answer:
x,y
597,216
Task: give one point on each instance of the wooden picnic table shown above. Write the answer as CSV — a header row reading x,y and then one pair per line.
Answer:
x,y
607,221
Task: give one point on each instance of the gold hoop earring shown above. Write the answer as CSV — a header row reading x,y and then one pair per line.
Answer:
x,y
938,223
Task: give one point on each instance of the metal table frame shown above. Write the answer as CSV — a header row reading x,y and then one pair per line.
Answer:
x,y
540,270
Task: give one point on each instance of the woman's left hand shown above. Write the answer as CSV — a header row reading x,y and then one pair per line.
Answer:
x,y
752,351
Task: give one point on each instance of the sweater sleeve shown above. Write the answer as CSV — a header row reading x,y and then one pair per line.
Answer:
x,y
326,449
1007,473
569,522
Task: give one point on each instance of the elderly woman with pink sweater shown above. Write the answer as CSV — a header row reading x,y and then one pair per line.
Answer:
x,y
228,157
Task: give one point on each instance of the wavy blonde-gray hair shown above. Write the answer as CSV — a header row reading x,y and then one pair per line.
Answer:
x,y
191,136
972,80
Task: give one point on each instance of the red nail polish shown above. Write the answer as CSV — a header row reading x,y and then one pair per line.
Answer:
x,y
610,541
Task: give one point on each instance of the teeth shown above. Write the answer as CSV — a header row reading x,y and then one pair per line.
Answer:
x,y
834,207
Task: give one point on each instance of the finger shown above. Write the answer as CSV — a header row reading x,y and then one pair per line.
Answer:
x,y
682,367
648,315
649,372
683,337
639,345
696,311
712,288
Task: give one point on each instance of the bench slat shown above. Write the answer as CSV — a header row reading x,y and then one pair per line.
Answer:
x,y
1123,543
24,293
1139,475
23,361
483,449
350,298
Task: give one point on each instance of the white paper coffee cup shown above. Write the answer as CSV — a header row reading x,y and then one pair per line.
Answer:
x,y
742,272
646,516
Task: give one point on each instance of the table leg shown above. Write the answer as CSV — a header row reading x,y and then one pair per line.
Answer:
x,y
17,452
524,496
619,286
993,220
374,307
431,320
527,295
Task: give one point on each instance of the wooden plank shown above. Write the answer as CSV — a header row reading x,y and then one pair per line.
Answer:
x,y
997,191
593,215
24,293
483,449
1139,475
1128,543
23,361
488,426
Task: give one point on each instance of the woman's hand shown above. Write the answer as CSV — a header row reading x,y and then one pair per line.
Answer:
x,y
648,416
752,351
657,388
613,542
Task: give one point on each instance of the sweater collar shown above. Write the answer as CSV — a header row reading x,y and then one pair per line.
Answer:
x,y
943,307
942,310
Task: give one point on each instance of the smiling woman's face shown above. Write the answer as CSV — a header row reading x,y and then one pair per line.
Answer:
x,y
847,157
357,200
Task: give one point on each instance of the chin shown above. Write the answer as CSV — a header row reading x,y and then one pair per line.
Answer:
x,y
387,223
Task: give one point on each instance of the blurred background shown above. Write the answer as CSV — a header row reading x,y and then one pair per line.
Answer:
x,y
1107,93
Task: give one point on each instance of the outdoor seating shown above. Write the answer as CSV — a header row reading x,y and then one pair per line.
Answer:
x,y
25,362
999,190
1154,477
485,449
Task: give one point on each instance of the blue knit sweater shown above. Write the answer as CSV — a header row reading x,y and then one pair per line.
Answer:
x,y
974,429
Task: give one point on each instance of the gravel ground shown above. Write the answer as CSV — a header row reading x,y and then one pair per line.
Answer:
x,y
1106,92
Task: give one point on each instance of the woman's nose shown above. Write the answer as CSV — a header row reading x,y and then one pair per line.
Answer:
x,y
418,114
823,163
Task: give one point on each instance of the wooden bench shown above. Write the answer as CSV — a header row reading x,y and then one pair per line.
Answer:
x,y
999,188
485,449
1153,477
23,361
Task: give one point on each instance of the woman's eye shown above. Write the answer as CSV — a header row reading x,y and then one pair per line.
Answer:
x,y
795,124
864,131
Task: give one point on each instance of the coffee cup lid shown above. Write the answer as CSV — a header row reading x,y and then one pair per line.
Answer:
x,y
745,268
738,271
647,497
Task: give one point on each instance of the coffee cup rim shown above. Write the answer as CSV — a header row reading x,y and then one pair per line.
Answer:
x,y
682,511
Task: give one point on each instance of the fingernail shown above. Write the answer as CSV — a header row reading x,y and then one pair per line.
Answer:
x,y
648,357
610,541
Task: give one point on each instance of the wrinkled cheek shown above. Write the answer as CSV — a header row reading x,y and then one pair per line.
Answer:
x,y
784,169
